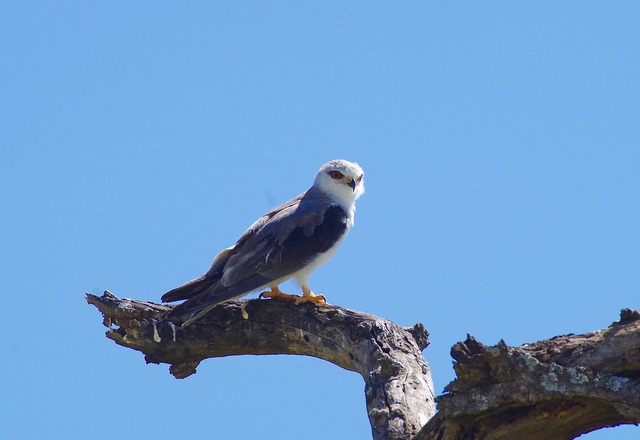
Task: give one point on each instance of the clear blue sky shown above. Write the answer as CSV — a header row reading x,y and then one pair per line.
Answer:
x,y
500,141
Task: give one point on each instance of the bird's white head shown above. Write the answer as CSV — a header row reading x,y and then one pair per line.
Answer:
x,y
343,181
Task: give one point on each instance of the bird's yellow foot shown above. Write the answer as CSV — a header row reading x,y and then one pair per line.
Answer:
x,y
276,293
309,296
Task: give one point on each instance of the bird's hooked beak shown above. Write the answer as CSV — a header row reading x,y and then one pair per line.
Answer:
x,y
352,184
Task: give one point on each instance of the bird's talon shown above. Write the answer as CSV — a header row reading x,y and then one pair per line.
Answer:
x,y
275,293
310,297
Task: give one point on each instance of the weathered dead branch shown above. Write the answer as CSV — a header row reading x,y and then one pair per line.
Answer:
x,y
557,388
398,388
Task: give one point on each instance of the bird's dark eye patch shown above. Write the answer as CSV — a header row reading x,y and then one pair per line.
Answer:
x,y
360,178
336,174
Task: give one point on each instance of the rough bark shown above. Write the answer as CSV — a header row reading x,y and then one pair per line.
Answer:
x,y
398,388
558,388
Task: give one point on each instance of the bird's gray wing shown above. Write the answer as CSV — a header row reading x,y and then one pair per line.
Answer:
x,y
276,246
285,240
210,285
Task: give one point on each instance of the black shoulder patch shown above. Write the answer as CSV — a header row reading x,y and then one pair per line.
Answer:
x,y
304,243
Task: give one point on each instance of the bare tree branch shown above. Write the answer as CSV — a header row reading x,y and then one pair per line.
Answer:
x,y
398,387
558,388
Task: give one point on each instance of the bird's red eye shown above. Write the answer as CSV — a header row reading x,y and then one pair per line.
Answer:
x,y
336,174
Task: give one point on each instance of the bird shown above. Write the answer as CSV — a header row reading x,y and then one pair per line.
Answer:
x,y
288,242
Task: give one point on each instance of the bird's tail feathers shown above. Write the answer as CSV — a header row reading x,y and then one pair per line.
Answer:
x,y
198,314
191,310
189,290
205,292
